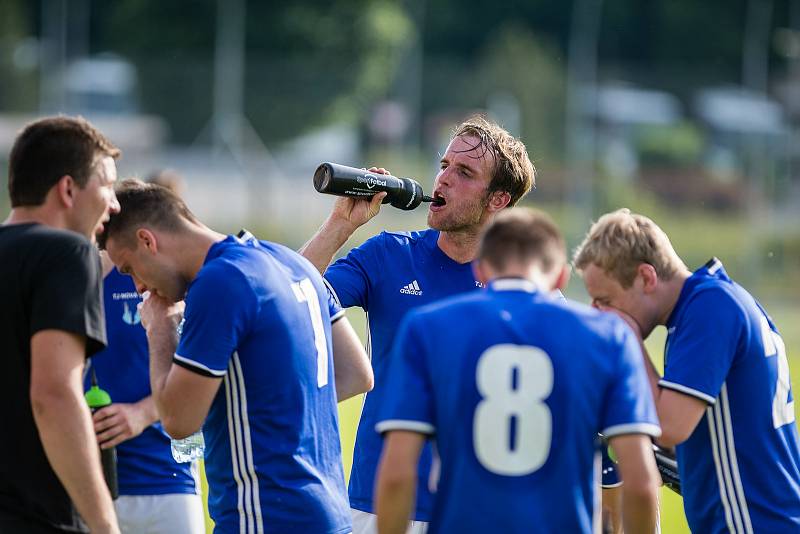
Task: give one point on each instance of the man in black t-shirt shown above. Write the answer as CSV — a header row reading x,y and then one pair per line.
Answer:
x,y
61,177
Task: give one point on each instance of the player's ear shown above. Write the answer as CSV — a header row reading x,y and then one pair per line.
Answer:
x,y
499,200
147,239
649,277
479,270
65,190
563,277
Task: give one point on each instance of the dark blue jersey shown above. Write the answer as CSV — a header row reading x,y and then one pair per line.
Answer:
x,y
740,468
144,464
514,386
387,276
259,316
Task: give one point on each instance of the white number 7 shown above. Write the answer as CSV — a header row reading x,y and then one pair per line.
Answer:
x,y
305,292
782,409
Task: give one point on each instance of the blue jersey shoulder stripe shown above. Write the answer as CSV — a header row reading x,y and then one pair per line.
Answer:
x,y
333,291
249,499
729,480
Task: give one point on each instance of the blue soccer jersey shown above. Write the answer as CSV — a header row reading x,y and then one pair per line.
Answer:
x,y
514,405
387,276
740,468
258,316
144,464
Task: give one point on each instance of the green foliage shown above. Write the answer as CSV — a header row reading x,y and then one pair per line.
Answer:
x,y
18,90
522,63
513,61
385,33
680,144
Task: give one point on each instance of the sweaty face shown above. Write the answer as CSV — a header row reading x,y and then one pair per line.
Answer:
x,y
607,293
96,200
151,271
465,173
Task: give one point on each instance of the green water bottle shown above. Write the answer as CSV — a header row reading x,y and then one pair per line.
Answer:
x,y
98,398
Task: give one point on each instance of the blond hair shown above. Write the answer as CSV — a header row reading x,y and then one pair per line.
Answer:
x,y
620,241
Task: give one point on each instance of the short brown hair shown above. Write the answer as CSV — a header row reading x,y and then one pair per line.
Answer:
x,y
620,241
513,171
144,204
50,148
523,235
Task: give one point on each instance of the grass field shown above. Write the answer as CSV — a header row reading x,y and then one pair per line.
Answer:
x,y
672,517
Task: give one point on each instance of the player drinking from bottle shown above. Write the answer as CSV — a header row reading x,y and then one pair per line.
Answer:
x,y
483,171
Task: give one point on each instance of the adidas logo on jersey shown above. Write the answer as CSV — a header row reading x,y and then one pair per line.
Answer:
x,y
411,289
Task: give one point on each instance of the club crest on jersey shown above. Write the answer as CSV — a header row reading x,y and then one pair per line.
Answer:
x,y
411,289
128,317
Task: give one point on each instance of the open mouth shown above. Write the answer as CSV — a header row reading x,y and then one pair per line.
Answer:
x,y
438,200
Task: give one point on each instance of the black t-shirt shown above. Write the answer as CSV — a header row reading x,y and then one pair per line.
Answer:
x,y
49,279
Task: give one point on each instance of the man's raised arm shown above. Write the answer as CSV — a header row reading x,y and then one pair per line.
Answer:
x,y
347,215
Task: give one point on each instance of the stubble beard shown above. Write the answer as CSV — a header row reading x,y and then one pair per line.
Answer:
x,y
465,223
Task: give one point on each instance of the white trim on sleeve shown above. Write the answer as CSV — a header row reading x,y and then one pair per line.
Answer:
x,y
688,391
632,428
402,424
192,363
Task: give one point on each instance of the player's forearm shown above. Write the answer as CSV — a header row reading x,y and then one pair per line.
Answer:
x,y
162,342
65,428
639,509
394,503
652,374
331,236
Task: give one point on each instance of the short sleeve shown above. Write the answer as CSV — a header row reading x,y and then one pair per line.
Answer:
x,y
220,304
700,350
334,308
407,396
350,277
629,403
68,294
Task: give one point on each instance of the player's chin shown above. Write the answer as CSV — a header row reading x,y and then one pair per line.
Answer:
x,y
438,221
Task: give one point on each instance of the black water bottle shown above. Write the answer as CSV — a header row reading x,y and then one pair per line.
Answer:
x,y
97,398
343,181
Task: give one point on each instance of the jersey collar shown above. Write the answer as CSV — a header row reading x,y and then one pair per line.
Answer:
x,y
512,284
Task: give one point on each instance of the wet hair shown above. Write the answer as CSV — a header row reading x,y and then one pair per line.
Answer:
x,y
513,171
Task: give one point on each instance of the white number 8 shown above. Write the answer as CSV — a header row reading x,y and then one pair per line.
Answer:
x,y
504,402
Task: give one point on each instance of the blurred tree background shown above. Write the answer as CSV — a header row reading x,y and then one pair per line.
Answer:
x,y
658,105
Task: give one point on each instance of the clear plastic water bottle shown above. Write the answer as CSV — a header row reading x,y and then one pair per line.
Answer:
x,y
188,449
192,447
